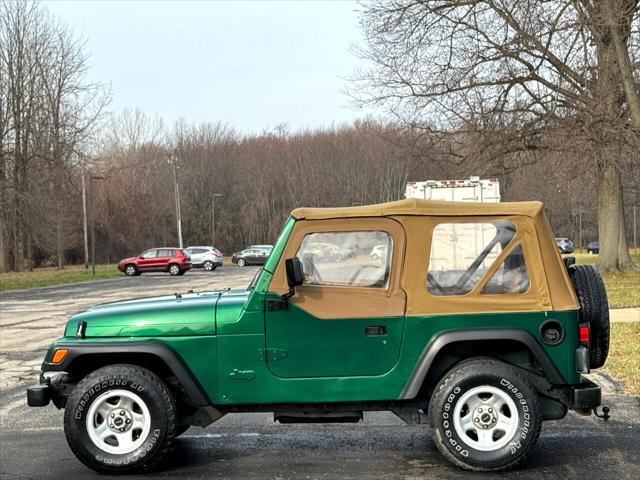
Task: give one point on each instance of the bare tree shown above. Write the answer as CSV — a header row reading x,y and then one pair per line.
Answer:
x,y
496,79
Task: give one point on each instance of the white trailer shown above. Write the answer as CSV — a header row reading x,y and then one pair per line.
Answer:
x,y
472,190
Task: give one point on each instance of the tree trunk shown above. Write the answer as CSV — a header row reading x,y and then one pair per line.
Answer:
x,y
614,254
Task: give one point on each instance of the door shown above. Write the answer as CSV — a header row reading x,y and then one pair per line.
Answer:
x,y
196,255
347,319
164,257
147,260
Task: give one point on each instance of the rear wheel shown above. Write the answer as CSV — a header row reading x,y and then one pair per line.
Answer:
x,y
174,269
242,262
120,419
208,266
594,309
131,270
485,416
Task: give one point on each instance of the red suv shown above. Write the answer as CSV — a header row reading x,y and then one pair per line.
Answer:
x,y
172,260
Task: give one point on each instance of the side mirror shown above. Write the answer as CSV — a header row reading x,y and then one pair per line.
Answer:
x,y
295,272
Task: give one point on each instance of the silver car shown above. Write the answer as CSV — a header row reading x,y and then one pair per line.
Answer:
x,y
208,258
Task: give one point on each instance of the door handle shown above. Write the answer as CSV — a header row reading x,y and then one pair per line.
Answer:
x,y
373,331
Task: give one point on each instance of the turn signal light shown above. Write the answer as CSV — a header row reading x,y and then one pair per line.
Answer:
x,y
59,355
583,331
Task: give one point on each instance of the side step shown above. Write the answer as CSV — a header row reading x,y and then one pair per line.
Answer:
x,y
318,417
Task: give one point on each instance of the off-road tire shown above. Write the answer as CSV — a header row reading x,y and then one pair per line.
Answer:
x,y
470,376
594,309
147,386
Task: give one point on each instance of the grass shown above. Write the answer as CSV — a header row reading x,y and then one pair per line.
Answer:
x,y
623,289
624,355
44,277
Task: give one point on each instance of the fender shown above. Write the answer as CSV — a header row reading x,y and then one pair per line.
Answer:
x,y
170,357
428,355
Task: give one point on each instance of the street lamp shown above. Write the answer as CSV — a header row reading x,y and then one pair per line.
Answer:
x,y
93,178
213,217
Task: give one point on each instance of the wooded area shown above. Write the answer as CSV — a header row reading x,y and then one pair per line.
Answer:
x,y
561,132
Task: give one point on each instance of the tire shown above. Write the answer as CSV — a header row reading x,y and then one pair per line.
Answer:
x,y
128,395
479,393
208,266
174,269
242,262
594,309
182,272
130,270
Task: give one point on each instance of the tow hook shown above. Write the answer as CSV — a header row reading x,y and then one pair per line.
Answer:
x,y
604,415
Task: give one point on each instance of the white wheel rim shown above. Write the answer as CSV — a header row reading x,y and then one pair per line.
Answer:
x,y
174,269
208,265
118,422
486,418
241,262
131,270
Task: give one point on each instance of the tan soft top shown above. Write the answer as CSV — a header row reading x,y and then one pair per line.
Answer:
x,y
421,207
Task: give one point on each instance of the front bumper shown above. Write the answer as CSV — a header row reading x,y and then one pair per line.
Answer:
x,y
54,389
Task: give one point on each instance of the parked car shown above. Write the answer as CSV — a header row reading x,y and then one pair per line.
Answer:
x,y
166,259
564,245
257,255
452,328
208,258
593,248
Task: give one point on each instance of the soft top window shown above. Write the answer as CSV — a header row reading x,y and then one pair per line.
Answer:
x,y
349,259
461,254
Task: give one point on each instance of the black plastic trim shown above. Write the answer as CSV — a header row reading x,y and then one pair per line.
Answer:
x,y
412,387
585,395
171,358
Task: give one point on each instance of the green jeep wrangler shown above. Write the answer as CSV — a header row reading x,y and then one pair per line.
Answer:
x,y
460,315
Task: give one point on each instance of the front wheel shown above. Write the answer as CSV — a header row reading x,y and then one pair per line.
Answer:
x,y
209,266
485,416
120,419
242,262
131,271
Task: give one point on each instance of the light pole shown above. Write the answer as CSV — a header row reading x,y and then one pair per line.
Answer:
x,y
94,178
85,240
213,217
176,190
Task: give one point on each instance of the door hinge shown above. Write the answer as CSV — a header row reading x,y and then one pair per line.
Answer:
x,y
275,305
242,374
273,354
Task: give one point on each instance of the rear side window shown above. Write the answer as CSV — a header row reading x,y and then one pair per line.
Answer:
x,y
461,254
511,276
165,252
348,259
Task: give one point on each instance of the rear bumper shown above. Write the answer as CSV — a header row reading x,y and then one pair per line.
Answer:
x,y
585,396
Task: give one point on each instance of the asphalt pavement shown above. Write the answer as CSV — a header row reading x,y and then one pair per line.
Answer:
x,y
32,443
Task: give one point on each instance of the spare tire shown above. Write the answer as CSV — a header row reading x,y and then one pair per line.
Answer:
x,y
594,308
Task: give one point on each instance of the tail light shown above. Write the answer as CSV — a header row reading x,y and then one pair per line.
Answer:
x,y
584,333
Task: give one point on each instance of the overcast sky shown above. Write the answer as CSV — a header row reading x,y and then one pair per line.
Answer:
x,y
252,65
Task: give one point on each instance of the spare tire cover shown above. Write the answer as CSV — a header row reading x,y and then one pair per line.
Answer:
x,y
594,308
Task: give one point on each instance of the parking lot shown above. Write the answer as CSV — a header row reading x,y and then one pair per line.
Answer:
x,y
252,445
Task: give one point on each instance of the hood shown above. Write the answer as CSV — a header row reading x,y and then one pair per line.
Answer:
x,y
129,259
171,315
